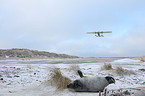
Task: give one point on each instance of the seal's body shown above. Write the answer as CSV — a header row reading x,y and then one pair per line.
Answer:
x,y
90,83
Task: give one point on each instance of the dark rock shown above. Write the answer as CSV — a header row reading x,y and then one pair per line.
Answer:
x,y
16,76
9,76
18,68
143,83
1,79
126,92
117,94
141,69
9,84
13,67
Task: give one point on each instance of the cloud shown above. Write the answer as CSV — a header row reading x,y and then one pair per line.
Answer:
x,y
61,26
132,44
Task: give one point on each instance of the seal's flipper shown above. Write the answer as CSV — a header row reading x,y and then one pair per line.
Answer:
x,y
80,73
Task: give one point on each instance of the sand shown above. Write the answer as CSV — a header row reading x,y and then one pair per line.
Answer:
x,y
22,78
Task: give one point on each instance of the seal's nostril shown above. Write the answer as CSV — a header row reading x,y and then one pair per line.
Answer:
x,y
67,86
70,85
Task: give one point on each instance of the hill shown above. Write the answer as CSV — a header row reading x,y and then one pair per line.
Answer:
x,y
30,54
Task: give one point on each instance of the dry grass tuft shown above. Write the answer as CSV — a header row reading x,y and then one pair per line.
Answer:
x,y
75,68
142,59
107,66
120,71
60,81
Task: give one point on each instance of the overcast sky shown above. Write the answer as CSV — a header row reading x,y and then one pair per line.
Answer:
x,y
60,26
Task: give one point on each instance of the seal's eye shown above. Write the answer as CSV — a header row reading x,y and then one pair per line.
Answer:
x,y
77,84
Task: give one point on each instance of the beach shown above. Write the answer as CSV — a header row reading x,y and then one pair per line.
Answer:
x,y
30,77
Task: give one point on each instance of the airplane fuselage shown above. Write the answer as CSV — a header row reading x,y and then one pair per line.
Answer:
x,y
98,34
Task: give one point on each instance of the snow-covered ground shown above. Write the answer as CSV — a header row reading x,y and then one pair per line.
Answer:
x,y
28,77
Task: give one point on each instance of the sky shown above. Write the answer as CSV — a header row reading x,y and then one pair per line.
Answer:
x,y
60,26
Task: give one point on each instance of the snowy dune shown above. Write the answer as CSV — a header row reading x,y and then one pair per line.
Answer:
x,y
29,77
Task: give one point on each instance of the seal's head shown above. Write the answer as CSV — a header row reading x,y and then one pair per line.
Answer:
x,y
76,85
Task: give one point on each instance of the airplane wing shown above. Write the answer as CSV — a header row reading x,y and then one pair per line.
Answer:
x,y
99,32
92,32
106,32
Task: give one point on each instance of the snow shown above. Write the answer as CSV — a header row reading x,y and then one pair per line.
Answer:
x,y
29,77
124,61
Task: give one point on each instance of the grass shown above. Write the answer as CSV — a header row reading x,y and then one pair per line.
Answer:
x,y
29,66
75,68
58,79
142,59
107,66
120,71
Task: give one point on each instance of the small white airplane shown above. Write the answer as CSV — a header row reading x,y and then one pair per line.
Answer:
x,y
99,33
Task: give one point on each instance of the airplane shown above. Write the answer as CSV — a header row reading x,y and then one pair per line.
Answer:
x,y
99,34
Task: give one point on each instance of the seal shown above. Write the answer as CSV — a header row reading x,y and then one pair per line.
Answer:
x,y
90,83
